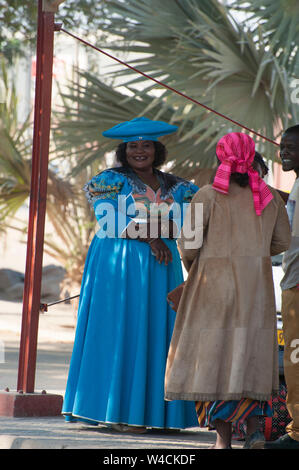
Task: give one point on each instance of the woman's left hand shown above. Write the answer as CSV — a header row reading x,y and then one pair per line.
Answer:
x,y
161,251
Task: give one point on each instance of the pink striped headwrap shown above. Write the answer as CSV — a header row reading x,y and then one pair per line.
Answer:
x,y
236,152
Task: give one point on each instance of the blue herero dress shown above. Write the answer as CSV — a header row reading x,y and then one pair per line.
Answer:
x,y
124,322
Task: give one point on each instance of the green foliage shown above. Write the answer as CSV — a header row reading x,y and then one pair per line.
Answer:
x,y
67,207
280,20
197,47
19,18
90,107
14,154
242,69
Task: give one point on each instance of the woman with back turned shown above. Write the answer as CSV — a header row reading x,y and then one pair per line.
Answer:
x,y
224,353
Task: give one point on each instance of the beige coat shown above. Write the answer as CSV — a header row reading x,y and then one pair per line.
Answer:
x,y
224,344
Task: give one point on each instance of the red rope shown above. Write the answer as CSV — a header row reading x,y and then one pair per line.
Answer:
x,y
168,87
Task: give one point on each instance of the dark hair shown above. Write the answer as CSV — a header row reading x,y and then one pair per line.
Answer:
x,y
160,154
242,179
259,159
292,130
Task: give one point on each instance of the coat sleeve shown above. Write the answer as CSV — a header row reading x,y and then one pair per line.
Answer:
x,y
195,224
281,237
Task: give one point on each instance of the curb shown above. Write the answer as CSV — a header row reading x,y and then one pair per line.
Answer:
x,y
14,442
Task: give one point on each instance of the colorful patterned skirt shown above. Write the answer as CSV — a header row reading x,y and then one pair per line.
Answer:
x,y
233,411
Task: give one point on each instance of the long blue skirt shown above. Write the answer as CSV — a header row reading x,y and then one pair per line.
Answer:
x,y
123,333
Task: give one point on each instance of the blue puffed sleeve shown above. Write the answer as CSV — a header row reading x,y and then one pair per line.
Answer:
x,y
183,195
108,194
188,192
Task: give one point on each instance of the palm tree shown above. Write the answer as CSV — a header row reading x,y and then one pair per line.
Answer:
x,y
197,47
67,207
90,107
15,171
280,23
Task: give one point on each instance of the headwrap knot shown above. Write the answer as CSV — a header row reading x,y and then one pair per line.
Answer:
x,y
236,153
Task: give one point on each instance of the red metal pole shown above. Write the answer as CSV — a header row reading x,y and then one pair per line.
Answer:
x,y
38,196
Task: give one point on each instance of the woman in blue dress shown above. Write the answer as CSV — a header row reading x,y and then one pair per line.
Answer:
x,y
125,324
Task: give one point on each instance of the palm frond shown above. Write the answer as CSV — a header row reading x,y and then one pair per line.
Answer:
x,y
280,20
99,107
198,48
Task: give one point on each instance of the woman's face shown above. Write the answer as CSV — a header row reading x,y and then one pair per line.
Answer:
x,y
140,154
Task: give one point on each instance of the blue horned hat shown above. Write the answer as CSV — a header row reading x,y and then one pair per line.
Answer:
x,y
140,128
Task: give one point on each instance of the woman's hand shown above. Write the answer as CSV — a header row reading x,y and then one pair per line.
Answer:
x,y
158,247
161,251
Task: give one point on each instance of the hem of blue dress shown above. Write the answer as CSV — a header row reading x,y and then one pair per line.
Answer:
x,y
84,418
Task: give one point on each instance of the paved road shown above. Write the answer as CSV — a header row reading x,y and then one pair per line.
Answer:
x,y
55,433
56,334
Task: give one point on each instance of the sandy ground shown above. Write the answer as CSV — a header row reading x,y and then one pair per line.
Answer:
x,y
55,341
56,327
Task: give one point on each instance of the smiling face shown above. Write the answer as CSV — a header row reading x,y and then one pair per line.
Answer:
x,y
140,154
289,152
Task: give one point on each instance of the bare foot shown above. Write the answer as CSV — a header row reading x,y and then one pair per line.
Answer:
x,y
220,447
127,428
